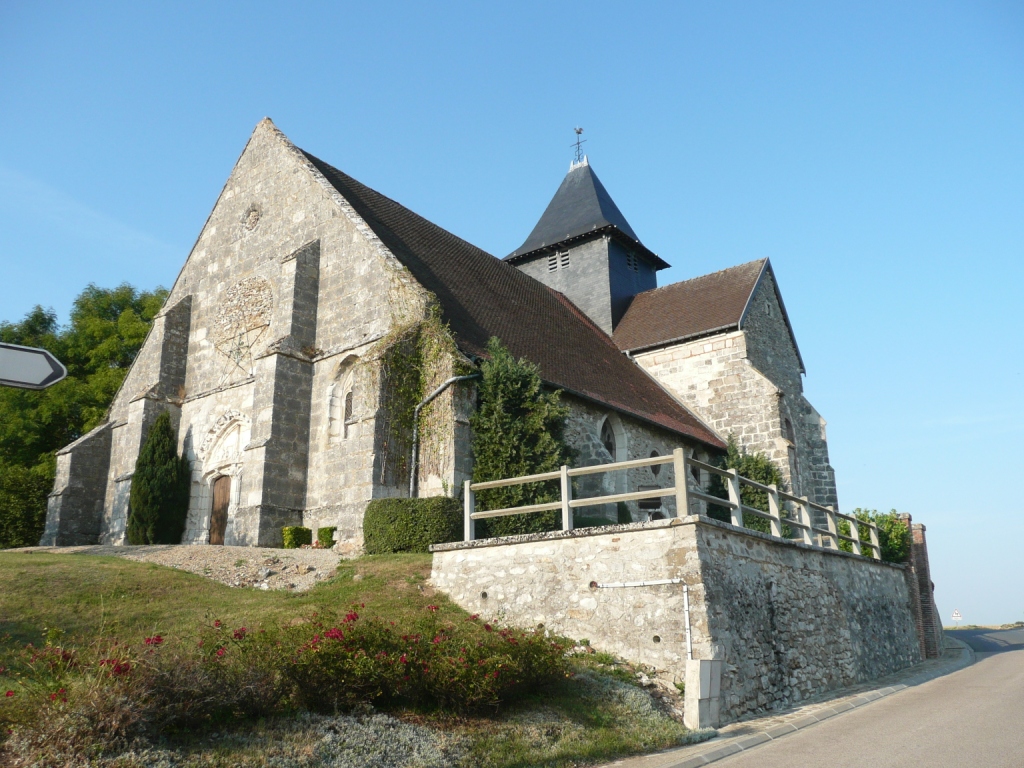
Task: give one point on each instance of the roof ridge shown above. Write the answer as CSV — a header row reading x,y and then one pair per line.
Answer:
x,y
689,280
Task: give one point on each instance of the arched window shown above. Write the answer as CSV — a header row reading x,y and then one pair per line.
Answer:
x,y
608,437
348,410
341,402
655,468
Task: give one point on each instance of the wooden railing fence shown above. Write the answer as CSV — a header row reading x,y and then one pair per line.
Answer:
x,y
734,482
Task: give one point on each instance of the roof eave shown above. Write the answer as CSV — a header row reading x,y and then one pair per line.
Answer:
x,y
609,229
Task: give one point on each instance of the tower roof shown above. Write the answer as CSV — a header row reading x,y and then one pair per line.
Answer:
x,y
581,207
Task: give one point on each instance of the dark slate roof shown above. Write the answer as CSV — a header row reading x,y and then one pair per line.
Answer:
x,y
713,303
581,206
481,297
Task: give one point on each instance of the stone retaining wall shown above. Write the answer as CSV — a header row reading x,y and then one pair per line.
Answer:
x,y
772,622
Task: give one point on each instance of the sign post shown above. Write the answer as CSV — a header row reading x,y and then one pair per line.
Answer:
x,y
29,367
957,617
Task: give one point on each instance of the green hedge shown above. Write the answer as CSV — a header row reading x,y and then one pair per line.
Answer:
x,y
295,536
410,525
325,536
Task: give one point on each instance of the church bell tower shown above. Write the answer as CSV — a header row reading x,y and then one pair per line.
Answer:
x,y
584,248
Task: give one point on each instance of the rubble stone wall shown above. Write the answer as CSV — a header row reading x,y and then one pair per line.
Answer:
x,y
786,620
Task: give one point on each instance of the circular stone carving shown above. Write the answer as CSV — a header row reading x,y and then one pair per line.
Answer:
x,y
251,218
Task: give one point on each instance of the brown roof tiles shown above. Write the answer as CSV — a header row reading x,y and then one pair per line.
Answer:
x,y
481,297
711,303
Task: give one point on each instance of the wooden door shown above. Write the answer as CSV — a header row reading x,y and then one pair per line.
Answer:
x,y
219,516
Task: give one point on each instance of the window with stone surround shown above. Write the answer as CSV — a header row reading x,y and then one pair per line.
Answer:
x,y
608,438
341,402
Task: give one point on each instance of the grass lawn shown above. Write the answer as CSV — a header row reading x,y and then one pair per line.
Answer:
x,y
594,716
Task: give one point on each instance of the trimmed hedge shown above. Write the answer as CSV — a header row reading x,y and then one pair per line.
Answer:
x,y
295,536
410,525
325,536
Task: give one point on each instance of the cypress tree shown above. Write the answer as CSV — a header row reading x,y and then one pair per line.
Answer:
x,y
518,429
158,499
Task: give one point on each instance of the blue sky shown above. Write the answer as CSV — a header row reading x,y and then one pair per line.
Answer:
x,y
874,151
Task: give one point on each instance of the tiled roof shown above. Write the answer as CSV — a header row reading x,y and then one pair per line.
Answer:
x,y
481,297
712,303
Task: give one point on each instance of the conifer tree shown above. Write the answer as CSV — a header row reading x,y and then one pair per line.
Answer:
x,y
159,495
518,429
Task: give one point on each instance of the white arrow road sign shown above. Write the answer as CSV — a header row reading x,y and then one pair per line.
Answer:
x,y
28,367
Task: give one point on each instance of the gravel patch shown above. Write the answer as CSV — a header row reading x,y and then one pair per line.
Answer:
x,y
257,567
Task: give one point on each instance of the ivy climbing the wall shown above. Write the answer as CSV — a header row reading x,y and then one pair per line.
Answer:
x,y
518,429
409,363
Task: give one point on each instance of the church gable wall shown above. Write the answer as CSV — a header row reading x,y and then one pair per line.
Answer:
x,y
769,344
281,285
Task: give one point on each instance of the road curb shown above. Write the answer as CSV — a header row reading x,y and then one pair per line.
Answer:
x,y
723,746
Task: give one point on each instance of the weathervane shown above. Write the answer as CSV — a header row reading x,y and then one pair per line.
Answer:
x,y
579,145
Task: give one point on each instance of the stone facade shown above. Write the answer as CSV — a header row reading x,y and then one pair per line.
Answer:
x,y
747,383
631,439
774,621
269,356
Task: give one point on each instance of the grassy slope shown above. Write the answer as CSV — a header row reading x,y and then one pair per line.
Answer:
x,y
88,596
574,723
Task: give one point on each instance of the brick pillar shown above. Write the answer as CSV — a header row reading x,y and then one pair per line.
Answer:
x,y
915,592
931,625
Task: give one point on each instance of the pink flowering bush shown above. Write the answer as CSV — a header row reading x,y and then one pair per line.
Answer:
x,y
66,701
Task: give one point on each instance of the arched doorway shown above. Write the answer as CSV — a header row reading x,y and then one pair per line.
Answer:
x,y
219,515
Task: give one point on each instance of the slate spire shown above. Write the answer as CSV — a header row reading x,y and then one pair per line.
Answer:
x,y
580,206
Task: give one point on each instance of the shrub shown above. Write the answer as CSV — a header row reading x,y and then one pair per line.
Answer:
x,y
410,525
158,499
296,536
325,536
893,534
67,703
518,429
623,514
23,493
753,466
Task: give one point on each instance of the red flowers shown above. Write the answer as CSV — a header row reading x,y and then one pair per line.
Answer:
x,y
334,634
154,640
432,608
240,633
11,693
117,666
488,627
220,651
216,623
350,617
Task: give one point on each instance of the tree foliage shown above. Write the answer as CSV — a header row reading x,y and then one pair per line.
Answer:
x,y
518,429
754,466
106,331
158,500
893,534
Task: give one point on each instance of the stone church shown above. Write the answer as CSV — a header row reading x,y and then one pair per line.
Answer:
x,y
314,313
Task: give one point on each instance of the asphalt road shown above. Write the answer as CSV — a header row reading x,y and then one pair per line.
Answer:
x,y
973,717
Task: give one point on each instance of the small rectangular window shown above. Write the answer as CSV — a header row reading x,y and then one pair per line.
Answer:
x,y
552,262
631,262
